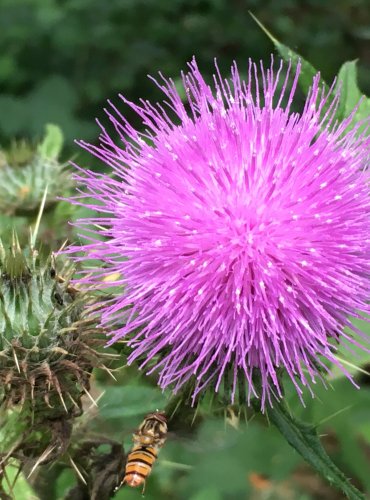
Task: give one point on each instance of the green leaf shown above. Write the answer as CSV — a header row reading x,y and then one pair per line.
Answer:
x,y
52,144
304,439
350,94
130,400
347,81
308,72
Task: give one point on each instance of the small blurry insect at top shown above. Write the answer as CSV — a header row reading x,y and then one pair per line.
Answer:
x,y
148,440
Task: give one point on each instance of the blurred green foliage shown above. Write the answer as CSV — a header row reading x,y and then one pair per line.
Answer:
x,y
60,60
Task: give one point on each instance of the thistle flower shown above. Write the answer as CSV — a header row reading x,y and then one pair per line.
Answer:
x,y
237,230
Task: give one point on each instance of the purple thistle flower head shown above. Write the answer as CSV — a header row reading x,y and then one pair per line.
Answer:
x,y
237,230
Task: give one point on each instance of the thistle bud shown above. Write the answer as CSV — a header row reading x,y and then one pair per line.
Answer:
x,y
25,172
48,341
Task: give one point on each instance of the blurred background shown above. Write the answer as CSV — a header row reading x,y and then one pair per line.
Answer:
x,y
60,60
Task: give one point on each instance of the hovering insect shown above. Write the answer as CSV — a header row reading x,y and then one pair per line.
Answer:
x,y
148,440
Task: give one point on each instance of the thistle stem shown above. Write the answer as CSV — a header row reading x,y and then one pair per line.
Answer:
x,y
304,439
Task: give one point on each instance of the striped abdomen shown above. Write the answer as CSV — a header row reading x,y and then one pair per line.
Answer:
x,y
139,465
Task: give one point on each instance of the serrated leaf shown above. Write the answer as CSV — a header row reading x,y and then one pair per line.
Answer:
x,y
363,111
304,439
308,72
52,144
350,94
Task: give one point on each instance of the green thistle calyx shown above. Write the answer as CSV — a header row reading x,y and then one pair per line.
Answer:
x,y
47,338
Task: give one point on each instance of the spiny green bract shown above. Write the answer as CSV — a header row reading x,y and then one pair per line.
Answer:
x,y
47,341
27,170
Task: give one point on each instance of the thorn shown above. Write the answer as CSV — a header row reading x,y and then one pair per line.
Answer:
x,y
90,397
73,401
245,415
38,220
16,361
176,465
77,470
47,399
267,418
107,355
176,408
97,401
62,247
333,415
103,367
195,415
62,400
265,30
351,365
232,417
41,459
59,391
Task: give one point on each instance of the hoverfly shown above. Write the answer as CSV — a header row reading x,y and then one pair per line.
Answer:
x,y
148,440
